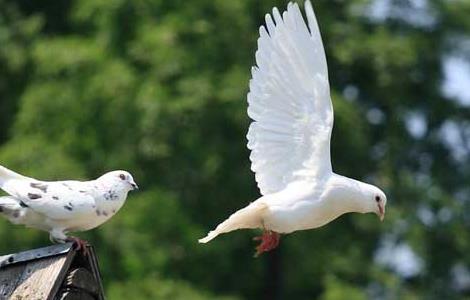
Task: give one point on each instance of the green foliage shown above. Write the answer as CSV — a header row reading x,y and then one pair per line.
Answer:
x,y
155,288
336,290
159,88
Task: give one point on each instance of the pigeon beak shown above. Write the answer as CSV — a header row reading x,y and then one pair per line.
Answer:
x,y
381,212
134,186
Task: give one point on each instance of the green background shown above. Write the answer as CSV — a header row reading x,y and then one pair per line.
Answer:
x,y
159,87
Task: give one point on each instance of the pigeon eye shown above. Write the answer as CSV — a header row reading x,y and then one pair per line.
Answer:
x,y
122,176
377,198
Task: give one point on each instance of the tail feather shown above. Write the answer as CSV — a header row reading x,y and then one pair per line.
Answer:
x,y
11,209
8,204
6,174
248,217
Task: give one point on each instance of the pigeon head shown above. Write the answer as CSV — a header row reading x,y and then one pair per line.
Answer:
x,y
376,200
357,196
120,179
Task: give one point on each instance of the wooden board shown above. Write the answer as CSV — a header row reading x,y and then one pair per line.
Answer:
x,y
35,279
38,279
9,280
54,272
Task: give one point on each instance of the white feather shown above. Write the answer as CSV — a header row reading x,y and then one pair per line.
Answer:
x,y
289,102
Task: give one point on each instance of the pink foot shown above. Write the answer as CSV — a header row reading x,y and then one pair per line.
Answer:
x,y
269,241
79,244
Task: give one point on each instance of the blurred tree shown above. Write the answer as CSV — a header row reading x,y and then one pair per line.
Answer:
x,y
158,88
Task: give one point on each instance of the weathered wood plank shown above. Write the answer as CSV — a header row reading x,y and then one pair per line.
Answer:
x,y
9,280
93,260
38,278
82,279
50,273
62,273
29,255
76,295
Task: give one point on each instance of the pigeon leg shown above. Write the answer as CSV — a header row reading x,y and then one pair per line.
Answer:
x,y
79,244
269,241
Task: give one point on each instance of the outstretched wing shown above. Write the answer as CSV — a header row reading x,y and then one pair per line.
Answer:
x,y
289,102
56,200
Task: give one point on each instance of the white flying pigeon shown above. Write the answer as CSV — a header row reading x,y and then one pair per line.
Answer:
x,y
60,207
289,138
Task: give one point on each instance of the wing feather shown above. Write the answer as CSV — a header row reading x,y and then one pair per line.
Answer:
x,y
289,102
58,200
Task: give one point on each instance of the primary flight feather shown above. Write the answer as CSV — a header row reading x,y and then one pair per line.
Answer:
x,y
289,138
60,207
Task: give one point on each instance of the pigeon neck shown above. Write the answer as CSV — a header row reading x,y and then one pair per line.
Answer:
x,y
111,191
351,195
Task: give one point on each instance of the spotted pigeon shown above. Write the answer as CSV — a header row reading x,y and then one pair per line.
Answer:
x,y
60,207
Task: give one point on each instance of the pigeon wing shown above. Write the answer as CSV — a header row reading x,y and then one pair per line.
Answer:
x,y
289,102
56,200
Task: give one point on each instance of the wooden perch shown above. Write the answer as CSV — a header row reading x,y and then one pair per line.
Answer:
x,y
56,272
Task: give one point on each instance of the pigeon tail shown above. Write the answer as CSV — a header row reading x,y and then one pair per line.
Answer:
x,y
10,208
6,174
248,217
8,203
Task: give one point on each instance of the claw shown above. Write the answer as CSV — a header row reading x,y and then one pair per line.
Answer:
x,y
79,244
269,241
